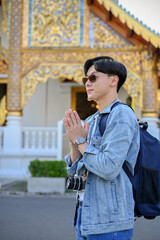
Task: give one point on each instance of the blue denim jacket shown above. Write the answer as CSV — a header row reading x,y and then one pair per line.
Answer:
x,y
108,204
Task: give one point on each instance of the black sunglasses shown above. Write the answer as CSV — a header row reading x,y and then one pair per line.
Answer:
x,y
92,78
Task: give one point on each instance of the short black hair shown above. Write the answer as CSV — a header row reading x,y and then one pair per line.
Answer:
x,y
108,65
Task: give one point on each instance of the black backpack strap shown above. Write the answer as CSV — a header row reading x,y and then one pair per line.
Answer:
x,y
127,171
103,122
102,127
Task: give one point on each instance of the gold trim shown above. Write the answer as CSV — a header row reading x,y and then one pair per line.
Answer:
x,y
25,23
149,114
3,80
86,24
84,49
14,113
3,110
132,23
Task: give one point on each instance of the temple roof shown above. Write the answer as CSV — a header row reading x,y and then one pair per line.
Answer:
x,y
132,22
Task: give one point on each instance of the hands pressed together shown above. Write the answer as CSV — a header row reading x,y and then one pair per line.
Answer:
x,y
73,126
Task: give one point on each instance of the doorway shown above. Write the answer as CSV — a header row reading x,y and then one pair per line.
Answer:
x,y
81,104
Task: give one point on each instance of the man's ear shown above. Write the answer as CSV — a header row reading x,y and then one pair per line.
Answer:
x,y
115,80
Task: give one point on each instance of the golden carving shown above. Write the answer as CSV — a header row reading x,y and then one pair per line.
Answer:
x,y
150,86
58,24
86,20
14,80
25,23
5,11
42,73
55,24
3,110
101,35
62,65
3,61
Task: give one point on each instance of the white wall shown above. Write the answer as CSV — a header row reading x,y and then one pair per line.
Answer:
x,y
48,104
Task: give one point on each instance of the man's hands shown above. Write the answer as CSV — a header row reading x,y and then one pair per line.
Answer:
x,y
73,126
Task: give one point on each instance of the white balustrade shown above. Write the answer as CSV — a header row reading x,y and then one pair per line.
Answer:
x,y
19,145
39,139
32,141
1,137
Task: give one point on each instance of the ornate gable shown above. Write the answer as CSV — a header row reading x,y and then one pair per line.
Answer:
x,y
101,35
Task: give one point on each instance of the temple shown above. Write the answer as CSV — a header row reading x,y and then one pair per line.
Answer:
x,y
43,46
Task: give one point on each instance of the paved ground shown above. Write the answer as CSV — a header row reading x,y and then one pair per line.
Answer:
x,y
26,217
36,218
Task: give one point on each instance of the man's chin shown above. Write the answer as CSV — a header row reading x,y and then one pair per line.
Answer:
x,y
90,98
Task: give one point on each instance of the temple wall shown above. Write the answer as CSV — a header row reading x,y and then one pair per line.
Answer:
x,y
48,105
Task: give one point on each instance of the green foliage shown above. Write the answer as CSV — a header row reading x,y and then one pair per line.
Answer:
x,y
47,168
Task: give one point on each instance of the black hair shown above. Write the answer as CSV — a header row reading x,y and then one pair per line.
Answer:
x,y
108,65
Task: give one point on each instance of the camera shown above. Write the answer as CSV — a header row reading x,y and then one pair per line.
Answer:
x,y
75,183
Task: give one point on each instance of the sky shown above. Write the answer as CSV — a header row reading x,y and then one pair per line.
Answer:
x,y
148,11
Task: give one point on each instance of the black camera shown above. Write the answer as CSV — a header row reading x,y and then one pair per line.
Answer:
x,y
75,183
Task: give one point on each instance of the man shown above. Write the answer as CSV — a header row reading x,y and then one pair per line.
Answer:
x,y
105,210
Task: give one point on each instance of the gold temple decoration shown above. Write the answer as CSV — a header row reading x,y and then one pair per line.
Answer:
x,y
3,110
42,73
14,79
104,36
25,23
53,39
3,60
150,86
5,10
86,21
55,24
132,23
69,64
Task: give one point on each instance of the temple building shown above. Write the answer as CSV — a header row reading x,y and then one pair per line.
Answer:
x,y
43,47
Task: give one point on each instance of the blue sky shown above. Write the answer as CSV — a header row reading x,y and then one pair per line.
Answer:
x,y
148,11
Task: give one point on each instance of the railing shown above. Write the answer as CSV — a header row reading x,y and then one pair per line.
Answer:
x,y
39,138
43,140
32,141
1,137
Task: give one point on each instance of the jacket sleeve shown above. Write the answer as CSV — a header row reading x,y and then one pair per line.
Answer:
x,y
72,168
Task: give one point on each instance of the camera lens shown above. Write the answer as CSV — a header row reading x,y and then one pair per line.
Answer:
x,y
70,183
76,183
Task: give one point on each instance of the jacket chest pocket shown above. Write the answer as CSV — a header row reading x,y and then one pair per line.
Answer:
x,y
96,141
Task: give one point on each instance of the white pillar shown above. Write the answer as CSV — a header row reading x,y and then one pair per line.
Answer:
x,y
13,135
152,126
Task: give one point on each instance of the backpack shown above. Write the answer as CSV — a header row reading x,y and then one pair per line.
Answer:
x,y
146,179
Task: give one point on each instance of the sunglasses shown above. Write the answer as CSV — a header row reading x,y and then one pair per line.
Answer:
x,y
92,78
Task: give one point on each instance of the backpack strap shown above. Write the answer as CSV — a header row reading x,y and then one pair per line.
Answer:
x,y
102,127
103,121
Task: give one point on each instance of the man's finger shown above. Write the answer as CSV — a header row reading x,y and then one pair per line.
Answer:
x,y
68,118
77,117
65,123
72,116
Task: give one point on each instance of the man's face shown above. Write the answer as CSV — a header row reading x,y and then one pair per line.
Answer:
x,y
100,88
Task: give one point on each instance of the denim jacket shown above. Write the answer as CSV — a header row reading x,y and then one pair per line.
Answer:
x,y
108,204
